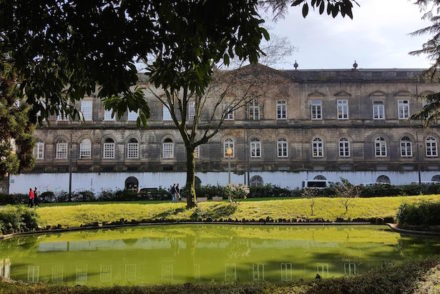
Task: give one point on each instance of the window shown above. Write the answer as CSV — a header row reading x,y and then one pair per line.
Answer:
x,y
229,143
87,109
39,151
229,113
61,150
197,152
316,109
405,147
378,110
166,115
62,116
168,148
108,115
342,108
383,180
109,149
85,149
254,110
436,179
320,178
380,147
431,147
256,181
344,148
255,148
191,110
132,115
133,149
403,109
282,148
317,148
281,109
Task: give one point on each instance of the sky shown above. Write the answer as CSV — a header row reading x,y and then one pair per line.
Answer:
x,y
377,37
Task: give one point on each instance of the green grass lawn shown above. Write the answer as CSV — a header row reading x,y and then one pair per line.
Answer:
x,y
73,215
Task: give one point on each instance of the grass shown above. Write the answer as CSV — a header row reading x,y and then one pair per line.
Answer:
x,y
329,209
413,277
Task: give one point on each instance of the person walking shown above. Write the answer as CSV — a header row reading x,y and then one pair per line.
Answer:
x,y
31,198
178,198
173,193
36,199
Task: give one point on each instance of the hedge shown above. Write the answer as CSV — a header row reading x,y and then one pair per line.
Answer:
x,y
424,214
15,219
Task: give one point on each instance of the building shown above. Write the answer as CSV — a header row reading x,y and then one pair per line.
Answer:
x,y
324,124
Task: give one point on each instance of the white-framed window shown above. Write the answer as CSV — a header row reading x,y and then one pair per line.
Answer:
x,y
316,109
61,150
317,148
197,152
168,148
281,109
39,151
229,113
132,115
85,149
108,115
380,147
342,108
108,151
254,110
378,110
191,110
256,181
228,143
87,109
132,149
282,148
166,115
255,148
403,109
405,147
344,147
431,147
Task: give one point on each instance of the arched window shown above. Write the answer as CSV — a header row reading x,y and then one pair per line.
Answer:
x,y
228,143
131,184
317,147
108,151
431,147
255,148
344,147
85,149
61,150
436,178
168,148
320,178
132,149
380,147
256,181
405,147
383,180
39,151
282,148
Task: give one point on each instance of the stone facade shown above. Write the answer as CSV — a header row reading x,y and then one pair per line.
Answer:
x,y
367,109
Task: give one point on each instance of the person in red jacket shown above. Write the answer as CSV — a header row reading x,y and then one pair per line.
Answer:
x,y
31,198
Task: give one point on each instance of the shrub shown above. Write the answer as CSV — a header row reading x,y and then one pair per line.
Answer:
x,y
63,197
13,199
421,214
236,192
83,196
47,196
14,219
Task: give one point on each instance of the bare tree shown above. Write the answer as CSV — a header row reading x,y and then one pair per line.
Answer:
x,y
347,192
310,193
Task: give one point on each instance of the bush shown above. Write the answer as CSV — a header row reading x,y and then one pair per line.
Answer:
x,y
83,196
13,199
233,192
14,219
421,214
47,197
269,191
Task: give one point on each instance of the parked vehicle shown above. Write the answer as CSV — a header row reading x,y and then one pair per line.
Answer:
x,y
316,184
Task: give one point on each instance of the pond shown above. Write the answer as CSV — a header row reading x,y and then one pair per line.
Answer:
x,y
206,253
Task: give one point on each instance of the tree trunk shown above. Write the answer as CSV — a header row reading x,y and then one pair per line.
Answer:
x,y
190,187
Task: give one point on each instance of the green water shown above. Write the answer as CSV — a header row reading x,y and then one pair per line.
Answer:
x,y
206,253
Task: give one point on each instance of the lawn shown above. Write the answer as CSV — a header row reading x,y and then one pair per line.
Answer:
x,y
329,209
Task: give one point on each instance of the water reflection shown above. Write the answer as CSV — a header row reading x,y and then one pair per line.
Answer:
x,y
179,254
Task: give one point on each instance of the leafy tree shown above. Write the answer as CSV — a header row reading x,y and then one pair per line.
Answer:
x,y
16,141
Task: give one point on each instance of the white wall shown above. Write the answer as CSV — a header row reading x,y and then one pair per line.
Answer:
x,y
97,182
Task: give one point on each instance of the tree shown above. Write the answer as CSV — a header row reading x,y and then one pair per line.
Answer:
x,y
16,141
310,193
346,191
